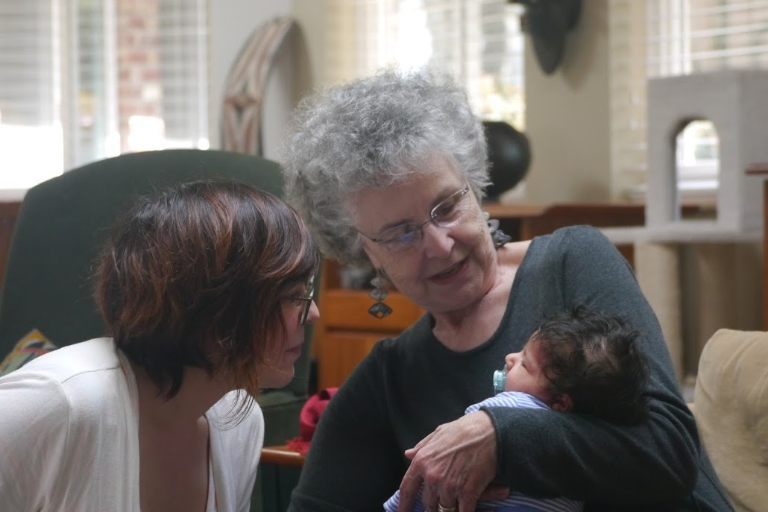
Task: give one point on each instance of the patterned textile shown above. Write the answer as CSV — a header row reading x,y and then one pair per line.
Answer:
x,y
308,419
509,399
33,345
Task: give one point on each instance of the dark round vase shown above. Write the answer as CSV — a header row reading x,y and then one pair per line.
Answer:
x,y
509,157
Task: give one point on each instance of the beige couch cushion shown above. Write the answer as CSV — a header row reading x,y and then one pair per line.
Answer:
x,y
731,410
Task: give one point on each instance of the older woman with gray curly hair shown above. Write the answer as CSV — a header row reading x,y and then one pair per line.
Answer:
x,y
391,170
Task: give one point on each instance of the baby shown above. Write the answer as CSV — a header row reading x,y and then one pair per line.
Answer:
x,y
584,362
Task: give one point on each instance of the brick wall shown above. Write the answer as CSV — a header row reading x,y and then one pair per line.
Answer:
x,y
138,67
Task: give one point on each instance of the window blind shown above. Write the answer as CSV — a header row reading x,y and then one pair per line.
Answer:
x,y
478,41
86,79
183,72
89,107
657,38
30,123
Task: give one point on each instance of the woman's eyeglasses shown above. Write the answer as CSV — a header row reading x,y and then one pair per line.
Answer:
x,y
306,300
446,213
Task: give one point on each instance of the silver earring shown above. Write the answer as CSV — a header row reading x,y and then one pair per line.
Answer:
x,y
499,237
379,309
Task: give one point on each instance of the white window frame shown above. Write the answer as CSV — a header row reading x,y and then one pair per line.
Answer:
x,y
58,150
655,38
365,35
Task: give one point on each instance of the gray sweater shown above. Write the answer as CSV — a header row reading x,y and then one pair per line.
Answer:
x,y
409,385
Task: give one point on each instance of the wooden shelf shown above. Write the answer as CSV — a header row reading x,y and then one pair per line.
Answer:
x,y
761,168
345,332
758,168
346,310
281,456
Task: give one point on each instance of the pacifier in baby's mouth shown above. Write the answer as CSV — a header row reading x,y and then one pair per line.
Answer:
x,y
498,381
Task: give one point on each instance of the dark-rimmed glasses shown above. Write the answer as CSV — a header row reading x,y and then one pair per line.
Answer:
x,y
306,300
407,236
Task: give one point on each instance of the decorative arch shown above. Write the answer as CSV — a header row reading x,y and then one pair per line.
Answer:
x,y
735,101
246,84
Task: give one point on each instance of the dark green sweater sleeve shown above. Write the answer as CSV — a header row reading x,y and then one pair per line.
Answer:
x,y
562,454
354,463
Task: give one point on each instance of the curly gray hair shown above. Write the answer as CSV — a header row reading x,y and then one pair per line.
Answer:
x,y
374,132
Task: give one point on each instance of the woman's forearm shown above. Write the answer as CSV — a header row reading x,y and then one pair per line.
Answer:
x,y
564,454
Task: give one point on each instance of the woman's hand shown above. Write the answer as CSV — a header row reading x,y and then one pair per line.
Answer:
x,y
455,463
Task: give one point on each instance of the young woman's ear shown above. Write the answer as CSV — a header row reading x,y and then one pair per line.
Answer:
x,y
562,403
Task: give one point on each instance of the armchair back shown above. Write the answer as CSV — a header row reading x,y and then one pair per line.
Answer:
x,y
62,224
731,410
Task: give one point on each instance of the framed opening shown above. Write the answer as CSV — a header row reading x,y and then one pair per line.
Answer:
x,y
697,168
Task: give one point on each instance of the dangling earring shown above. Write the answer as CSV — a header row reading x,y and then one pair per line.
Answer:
x,y
499,237
379,309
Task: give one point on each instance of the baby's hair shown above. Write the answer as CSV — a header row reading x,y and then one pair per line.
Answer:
x,y
595,359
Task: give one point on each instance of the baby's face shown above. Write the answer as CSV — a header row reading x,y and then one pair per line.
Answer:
x,y
524,372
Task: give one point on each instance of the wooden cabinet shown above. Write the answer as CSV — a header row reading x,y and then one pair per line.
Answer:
x,y
761,169
8,213
345,332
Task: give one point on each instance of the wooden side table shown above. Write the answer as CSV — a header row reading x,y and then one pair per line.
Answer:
x,y
282,456
8,214
761,169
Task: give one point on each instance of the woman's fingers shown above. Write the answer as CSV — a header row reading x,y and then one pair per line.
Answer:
x,y
442,507
455,463
437,496
411,452
409,490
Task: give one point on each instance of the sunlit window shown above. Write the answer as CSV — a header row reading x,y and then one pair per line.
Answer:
x,y
659,38
89,79
697,156
479,41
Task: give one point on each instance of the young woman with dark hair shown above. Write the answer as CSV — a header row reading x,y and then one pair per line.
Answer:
x,y
204,289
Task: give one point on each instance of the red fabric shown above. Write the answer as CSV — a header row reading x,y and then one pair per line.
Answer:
x,y
308,419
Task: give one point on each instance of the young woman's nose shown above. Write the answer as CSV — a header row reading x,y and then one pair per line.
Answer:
x,y
314,313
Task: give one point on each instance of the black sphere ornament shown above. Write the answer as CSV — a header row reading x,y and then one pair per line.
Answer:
x,y
509,156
